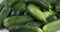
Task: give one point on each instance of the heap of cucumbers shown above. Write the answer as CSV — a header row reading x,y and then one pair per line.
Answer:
x,y
30,15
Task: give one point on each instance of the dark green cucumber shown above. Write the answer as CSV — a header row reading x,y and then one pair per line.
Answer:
x,y
52,26
57,6
17,20
54,17
36,12
48,14
24,1
33,23
42,3
51,1
2,4
24,28
18,8
10,2
4,13
7,3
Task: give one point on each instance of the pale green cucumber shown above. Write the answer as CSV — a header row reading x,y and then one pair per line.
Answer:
x,y
53,26
36,12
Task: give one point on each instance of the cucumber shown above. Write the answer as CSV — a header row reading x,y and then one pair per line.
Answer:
x,y
10,2
4,13
42,3
16,20
57,7
52,26
18,8
51,1
7,3
36,12
24,28
54,17
33,23
2,4
49,14
24,1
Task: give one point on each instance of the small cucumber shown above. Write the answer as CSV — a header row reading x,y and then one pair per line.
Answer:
x,y
19,8
48,14
33,23
4,13
52,26
16,20
24,28
36,12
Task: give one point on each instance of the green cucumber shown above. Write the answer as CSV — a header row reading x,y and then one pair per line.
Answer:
x,y
24,28
7,3
51,1
18,8
57,7
16,20
54,17
33,23
24,1
4,13
36,12
42,3
52,26
10,2
2,4
48,14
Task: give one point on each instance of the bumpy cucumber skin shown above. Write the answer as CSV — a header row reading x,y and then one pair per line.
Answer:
x,y
24,28
16,20
37,24
18,8
52,26
4,13
49,14
36,12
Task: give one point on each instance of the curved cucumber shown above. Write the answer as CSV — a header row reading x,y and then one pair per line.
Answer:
x,y
18,8
16,20
4,13
52,26
36,12
48,14
24,28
